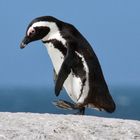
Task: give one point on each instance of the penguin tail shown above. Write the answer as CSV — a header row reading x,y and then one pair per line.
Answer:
x,y
103,106
107,104
111,108
103,101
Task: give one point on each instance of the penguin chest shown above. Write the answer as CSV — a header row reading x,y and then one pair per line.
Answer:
x,y
56,56
73,85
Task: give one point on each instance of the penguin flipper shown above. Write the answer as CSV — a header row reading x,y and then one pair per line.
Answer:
x,y
65,68
63,74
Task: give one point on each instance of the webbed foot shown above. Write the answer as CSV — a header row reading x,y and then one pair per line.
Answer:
x,y
64,104
70,106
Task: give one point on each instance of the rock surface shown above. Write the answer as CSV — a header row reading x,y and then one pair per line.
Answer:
x,y
29,126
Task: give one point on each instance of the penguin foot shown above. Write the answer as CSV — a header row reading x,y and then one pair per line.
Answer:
x,y
70,106
64,104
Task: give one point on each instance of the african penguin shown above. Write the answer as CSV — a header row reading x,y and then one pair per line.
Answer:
x,y
76,66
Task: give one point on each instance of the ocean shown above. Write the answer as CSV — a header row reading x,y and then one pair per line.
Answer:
x,y
39,100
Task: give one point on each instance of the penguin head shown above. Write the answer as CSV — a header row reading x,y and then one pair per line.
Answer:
x,y
40,28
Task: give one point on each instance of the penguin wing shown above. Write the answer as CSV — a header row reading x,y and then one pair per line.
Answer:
x,y
66,67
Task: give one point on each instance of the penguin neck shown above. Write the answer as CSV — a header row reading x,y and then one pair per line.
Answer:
x,y
54,34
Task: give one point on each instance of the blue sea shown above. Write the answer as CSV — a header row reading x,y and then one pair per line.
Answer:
x,y
39,100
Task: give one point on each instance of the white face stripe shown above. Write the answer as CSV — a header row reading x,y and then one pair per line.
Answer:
x,y
54,31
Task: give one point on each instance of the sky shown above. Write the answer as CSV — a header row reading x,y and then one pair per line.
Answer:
x,y
111,27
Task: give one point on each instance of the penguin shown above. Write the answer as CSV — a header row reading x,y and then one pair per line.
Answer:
x,y
76,66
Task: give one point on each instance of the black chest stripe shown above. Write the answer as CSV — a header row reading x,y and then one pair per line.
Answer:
x,y
58,45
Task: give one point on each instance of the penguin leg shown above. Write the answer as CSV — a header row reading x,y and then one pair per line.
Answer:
x,y
70,106
81,109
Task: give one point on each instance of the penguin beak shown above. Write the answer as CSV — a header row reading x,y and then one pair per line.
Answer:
x,y
24,42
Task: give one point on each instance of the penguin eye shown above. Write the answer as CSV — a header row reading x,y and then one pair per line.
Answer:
x,y
31,32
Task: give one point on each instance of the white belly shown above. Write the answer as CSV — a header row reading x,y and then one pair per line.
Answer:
x,y
72,84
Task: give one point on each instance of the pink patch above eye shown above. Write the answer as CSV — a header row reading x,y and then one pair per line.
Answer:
x,y
31,30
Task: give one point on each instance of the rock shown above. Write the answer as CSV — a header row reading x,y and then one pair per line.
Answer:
x,y
30,126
